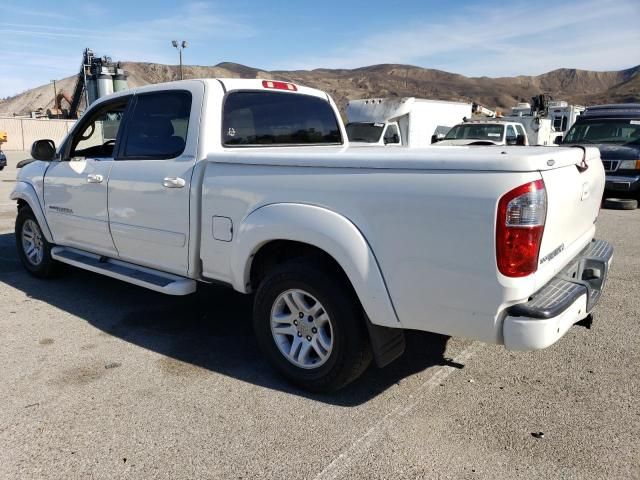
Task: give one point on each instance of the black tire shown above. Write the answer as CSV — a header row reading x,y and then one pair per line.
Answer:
x,y
47,266
620,203
351,352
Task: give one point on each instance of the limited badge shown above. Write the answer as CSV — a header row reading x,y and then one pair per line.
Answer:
x,y
231,132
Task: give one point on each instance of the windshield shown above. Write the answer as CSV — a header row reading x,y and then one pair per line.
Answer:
x,y
364,132
615,131
476,131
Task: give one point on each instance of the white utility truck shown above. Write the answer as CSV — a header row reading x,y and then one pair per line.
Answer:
x,y
408,121
539,129
252,184
563,115
547,121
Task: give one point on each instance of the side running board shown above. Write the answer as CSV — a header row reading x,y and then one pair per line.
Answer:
x,y
144,277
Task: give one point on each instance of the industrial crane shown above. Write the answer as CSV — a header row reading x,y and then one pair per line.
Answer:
x,y
98,76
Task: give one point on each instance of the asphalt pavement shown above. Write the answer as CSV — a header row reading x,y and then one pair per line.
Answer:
x,y
104,380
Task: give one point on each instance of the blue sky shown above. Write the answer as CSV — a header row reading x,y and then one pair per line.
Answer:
x,y
43,40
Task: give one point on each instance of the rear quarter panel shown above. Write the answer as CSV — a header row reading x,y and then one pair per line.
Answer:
x,y
432,232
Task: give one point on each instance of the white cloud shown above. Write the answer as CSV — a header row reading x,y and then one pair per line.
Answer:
x,y
522,39
45,33
32,12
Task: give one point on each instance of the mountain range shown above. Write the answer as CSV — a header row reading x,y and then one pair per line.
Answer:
x,y
576,86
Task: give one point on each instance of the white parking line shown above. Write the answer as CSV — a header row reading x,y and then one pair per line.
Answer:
x,y
358,449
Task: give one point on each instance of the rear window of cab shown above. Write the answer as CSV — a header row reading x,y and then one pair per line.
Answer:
x,y
256,118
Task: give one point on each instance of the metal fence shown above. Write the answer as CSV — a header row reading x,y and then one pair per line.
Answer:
x,y
22,132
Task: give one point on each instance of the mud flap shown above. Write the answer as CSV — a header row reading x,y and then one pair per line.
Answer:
x,y
387,343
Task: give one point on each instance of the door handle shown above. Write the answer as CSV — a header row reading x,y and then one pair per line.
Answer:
x,y
174,182
94,178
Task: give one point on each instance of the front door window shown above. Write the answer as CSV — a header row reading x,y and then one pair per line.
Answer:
x,y
96,137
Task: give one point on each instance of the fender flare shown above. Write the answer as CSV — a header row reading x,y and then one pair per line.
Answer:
x,y
25,191
326,230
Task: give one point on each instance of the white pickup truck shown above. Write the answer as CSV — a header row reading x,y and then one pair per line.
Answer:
x,y
485,132
512,130
252,184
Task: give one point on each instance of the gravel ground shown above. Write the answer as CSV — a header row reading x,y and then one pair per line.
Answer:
x,y
101,379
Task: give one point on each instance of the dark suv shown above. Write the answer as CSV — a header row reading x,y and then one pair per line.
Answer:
x,y
3,160
615,130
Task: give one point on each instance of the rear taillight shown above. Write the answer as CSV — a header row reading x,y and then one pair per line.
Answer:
x,y
520,223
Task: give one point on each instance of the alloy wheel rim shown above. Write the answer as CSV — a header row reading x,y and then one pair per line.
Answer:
x,y
32,242
302,329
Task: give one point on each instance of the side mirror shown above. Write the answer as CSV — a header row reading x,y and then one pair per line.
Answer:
x,y
434,139
44,150
557,140
24,163
521,140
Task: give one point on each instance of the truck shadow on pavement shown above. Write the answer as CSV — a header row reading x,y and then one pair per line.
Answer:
x,y
210,329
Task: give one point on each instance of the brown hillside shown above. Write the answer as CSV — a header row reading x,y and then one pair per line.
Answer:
x,y
578,86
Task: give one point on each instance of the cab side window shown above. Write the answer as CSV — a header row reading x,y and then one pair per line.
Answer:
x,y
158,125
511,135
96,136
391,135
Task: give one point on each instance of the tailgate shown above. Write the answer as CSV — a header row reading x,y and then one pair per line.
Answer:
x,y
573,203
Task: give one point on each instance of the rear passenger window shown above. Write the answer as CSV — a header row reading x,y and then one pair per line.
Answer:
x,y
157,128
273,118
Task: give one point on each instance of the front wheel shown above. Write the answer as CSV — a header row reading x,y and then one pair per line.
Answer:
x,y
33,248
309,324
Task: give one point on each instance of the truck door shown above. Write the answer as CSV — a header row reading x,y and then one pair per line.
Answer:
x,y
75,188
150,181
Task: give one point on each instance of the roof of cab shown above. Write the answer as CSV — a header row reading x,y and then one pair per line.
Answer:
x,y
229,84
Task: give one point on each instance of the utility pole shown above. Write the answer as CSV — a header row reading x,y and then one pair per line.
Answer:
x,y
55,99
180,46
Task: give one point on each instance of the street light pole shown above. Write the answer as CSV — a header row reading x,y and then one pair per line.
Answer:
x,y
180,46
55,95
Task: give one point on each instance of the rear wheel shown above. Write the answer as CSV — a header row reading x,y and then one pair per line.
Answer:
x,y
309,325
33,248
